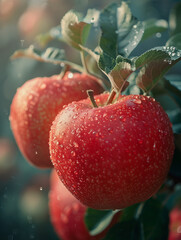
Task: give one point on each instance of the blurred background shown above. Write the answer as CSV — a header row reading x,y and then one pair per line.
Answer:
x,y
24,189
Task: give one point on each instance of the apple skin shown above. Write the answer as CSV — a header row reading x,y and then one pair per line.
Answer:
x,y
175,224
112,156
67,213
36,104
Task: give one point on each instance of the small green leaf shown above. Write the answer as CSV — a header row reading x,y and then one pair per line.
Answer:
x,y
74,32
128,230
54,34
154,64
119,74
97,220
153,26
121,31
155,220
50,55
175,19
175,41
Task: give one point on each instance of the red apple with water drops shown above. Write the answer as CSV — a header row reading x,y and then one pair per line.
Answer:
x,y
67,213
175,224
36,104
115,155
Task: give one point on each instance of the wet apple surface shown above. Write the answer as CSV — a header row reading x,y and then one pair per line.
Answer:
x,y
35,106
112,156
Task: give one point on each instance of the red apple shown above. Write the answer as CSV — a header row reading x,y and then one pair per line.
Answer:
x,y
34,20
35,106
175,224
67,213
112,156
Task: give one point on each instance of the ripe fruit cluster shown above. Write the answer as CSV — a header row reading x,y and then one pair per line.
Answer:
x,y
110,151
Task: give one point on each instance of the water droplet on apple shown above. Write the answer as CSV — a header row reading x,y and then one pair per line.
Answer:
x,y
138,101
148,159
75,144
70,75
30,97
73,153
43,86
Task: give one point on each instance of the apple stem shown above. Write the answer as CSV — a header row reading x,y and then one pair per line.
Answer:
x,y
90,94
111,97
84,62
64,70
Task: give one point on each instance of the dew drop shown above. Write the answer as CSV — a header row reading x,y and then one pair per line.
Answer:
x,y
43,86
158,35
138,101
75,144
70,75
30,97
92,20
73,153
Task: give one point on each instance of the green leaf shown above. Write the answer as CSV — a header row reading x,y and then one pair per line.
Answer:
x,y
175,41
92,17
128,230
145,221
153,26
174,80
97,220
155,220
50,55
175,19
119,74
74,32
121,31
154,64
54,34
